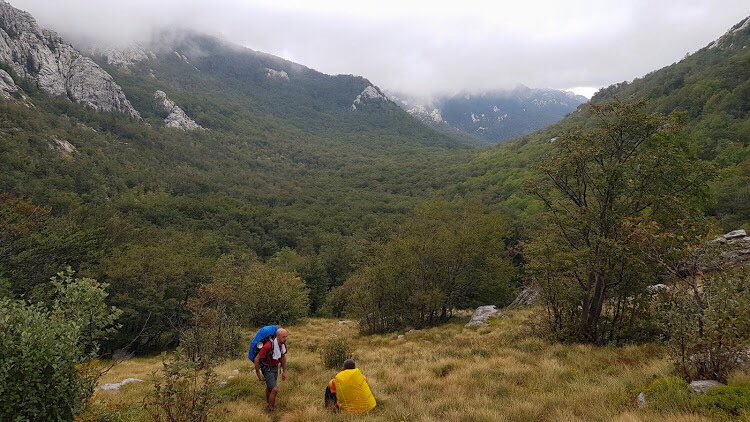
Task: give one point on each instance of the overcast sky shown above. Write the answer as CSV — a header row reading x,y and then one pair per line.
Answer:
x,y
429,47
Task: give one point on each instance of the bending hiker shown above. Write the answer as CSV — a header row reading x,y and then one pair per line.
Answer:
x,y
349,392
268,352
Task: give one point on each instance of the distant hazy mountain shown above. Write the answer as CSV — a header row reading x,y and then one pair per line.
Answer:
x,y
710,88
494,116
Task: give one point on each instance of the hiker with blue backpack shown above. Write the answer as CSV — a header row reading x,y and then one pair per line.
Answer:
x,y
268,352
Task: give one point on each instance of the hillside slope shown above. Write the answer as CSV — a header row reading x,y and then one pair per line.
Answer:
x,y
711,87
321,164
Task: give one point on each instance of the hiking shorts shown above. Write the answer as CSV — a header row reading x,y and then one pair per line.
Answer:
x,y
271,374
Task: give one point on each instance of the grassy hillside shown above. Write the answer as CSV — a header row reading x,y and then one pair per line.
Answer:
x,y
497,372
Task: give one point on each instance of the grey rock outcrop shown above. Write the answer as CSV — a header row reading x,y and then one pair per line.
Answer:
x,y
277,74
54,65
116,386
123,57
528,296
8,88
176,117
481,315
731,250
702,387
369,94
62,146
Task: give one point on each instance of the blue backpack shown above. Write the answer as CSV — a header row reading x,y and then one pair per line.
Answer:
x,y
261,337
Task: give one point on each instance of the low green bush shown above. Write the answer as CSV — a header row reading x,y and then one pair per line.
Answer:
x,y
39,362
335,351
670,394
730,401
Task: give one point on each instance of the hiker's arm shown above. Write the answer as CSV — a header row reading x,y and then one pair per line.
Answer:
x,y
257,367
283,368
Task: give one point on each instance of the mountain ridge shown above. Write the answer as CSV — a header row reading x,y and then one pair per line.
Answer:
x,y
493,116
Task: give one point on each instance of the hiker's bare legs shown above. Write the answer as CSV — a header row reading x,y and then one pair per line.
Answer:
x,y
271,398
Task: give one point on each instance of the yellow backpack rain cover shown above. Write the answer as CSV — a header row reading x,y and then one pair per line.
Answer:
x,y
352,392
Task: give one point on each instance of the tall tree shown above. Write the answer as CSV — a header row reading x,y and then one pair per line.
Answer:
x,y
597,182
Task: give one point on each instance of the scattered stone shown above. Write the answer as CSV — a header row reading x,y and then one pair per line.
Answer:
x,y
121,355
527,297
657,288
641,400
702,386
481,315
223,384
732,250
122,56
177,118
400,337
182,57
236,372
735,234
116,386
413,331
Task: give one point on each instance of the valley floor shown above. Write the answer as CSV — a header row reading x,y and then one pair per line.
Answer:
x,y
500,372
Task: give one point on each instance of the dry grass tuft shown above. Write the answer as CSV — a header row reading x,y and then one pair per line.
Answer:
x,y
494,373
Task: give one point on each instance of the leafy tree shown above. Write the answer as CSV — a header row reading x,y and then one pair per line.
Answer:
x,y
82,301
443,259
262,294
212,332
151,281
310,269
632,167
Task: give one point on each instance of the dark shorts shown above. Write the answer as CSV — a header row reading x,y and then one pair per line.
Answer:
x,y
329,400
271,374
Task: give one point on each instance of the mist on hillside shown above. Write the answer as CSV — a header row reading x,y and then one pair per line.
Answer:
x,y
425,48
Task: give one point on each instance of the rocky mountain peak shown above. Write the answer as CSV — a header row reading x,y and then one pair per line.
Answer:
x,y
55,66
369,94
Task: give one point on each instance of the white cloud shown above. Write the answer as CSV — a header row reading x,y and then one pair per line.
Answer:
x,y
586,91
425,47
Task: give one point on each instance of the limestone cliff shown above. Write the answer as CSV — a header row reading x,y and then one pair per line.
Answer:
x,y
54,65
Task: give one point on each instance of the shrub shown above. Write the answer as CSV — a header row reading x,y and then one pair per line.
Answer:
x,y
39,365
183,392
213,331
335,351
706,328
670,394
732,400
